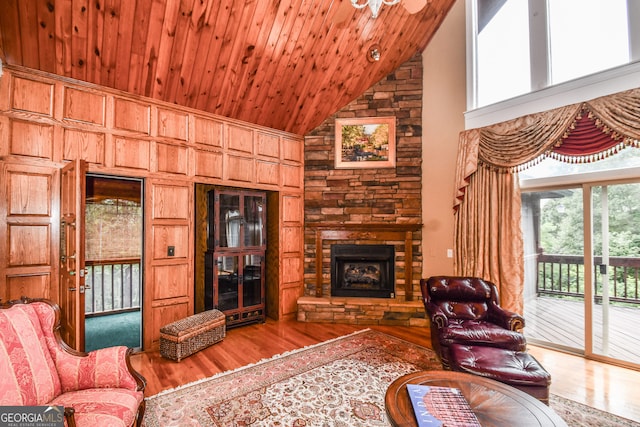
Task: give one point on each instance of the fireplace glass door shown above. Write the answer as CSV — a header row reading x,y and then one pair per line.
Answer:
x,y
236,255
363,271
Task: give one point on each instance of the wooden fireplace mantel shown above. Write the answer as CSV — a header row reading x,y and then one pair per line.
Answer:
x,y
370,231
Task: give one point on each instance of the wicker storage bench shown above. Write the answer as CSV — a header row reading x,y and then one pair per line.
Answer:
x,y
184,337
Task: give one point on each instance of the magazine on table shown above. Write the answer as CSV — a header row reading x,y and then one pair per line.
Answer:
x,y
436,406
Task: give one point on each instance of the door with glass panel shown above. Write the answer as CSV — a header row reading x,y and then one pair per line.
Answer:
x,y
237,247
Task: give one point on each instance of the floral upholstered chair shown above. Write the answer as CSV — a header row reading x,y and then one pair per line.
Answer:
x,y
37,368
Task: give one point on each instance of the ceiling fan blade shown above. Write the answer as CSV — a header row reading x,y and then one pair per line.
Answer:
x,y
414,6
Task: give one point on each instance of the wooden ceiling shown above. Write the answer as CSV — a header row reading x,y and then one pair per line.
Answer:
x,y
284,64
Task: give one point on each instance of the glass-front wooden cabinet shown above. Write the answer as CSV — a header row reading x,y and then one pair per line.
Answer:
x,y
235,258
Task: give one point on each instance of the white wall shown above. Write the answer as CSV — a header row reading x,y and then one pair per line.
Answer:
x,y
444,104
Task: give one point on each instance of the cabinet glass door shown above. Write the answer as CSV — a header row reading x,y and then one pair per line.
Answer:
x,y
227,297
229,221
253,214
252,280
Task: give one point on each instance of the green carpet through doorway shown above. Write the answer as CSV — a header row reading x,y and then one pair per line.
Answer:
x,y
113,329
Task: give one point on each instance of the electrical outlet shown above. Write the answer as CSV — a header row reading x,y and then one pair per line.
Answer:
x,y
449,253
171,251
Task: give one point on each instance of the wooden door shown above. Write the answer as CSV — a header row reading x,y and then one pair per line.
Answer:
x,y
72,268
29,209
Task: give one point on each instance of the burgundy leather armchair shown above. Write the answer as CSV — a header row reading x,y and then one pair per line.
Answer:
x,y
466,310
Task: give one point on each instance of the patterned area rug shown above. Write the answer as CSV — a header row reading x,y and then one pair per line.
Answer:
x,y
337,383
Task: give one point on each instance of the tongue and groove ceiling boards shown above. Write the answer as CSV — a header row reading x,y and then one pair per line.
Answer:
x,y
286,64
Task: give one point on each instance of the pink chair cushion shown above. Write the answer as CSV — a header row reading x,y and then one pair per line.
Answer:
x,y
99,369
27,372
103,407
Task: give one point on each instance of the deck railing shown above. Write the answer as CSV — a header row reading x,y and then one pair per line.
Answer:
x,y
112,286
564,275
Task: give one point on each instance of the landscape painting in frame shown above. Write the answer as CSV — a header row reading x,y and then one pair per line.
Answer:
x,y
366,142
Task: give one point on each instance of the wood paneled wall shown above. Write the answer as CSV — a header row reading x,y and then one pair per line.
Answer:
x,y
46,120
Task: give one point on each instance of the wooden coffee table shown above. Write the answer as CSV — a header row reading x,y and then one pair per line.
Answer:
x,y
494,403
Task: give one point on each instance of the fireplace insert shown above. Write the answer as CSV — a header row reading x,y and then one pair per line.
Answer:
x,y
363,271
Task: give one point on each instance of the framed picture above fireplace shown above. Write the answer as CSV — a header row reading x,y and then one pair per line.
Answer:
x,y
365,142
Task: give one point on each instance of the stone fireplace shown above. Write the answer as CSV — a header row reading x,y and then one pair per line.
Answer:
x,y
363,271
367,206
398,308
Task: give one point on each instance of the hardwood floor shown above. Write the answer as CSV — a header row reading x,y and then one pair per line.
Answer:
x,y
561,321
610,388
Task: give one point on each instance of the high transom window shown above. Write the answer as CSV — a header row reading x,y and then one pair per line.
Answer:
x,y
522,46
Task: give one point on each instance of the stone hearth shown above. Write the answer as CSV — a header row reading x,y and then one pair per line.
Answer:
x,y
361,311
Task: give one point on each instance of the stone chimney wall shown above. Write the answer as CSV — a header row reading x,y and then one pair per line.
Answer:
x,y
376,196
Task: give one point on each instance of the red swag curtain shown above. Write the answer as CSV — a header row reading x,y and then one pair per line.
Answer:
x,y
488,240
586,138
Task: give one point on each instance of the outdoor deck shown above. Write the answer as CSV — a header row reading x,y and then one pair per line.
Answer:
x,y
562,321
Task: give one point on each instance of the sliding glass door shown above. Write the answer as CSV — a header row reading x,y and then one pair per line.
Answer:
x,y
588,307
552,222
615,244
